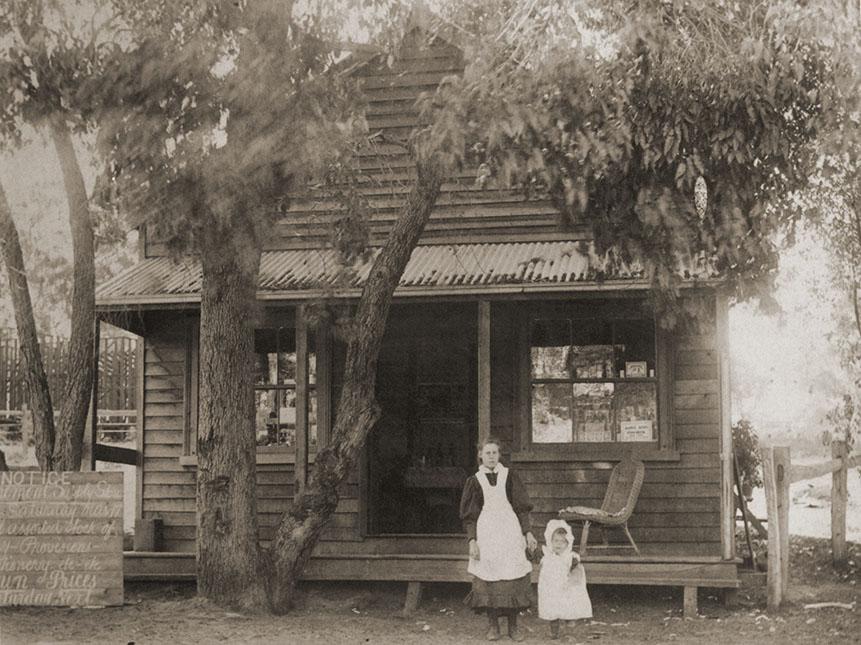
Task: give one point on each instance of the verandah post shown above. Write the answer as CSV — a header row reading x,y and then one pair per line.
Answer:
x,y
839,450
323,391
483,369
726,447
301,399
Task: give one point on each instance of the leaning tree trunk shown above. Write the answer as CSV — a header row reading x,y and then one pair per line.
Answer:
x,y
357,409
228,563
35,379
78,387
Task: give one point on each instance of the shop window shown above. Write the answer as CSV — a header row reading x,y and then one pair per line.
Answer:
x,y
593,381
274,382
275,388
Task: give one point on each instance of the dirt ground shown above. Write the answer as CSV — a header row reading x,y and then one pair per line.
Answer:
x,y
370,613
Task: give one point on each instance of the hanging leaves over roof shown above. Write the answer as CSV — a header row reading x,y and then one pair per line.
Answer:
x,y
621,108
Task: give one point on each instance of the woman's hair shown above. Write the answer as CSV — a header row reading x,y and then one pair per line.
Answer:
x,y
560,531
496,442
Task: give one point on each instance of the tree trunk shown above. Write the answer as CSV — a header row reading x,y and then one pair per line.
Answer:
x,y
357,410
78,388
35,379
228,563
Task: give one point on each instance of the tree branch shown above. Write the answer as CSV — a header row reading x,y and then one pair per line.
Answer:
x,y
78,387
35,379
854,248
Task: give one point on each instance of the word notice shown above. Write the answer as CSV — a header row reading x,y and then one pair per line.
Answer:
x,y
61,539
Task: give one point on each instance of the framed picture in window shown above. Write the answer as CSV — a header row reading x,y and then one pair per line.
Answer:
x,y
635,369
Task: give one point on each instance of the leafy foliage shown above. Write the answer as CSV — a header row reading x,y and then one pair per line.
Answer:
x,y
617,122
220,110
746,446
50,52
834,202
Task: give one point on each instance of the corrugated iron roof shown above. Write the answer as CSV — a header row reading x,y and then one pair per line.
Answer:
x,y
459,268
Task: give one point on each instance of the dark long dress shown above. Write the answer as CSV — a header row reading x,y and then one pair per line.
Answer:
x,y
500,594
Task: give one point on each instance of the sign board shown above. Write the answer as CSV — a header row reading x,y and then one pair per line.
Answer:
x,y
61,538
636,430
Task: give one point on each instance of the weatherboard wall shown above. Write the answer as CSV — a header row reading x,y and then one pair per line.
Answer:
x,y
678,511
169,475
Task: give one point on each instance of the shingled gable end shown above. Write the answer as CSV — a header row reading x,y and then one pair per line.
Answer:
x,y
504,324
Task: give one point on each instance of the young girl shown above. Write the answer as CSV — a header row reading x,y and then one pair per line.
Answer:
x,y
562,581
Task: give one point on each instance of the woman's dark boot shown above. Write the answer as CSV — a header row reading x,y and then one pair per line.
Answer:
x,y
513,633
492,625
554,629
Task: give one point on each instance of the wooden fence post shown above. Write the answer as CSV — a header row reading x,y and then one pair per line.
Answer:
x,y
775,586
781,476
839,450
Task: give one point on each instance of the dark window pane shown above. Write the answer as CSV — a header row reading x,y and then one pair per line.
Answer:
x,y
548,332
636,339
550,342
273,348
275,357
588,331
551,413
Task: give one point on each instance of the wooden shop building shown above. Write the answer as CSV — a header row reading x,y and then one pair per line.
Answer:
x,y
504,324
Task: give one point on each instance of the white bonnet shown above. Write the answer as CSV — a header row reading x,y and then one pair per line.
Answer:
x,y
553,526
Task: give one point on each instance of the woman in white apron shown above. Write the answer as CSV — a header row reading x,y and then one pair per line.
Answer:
x,y
495,512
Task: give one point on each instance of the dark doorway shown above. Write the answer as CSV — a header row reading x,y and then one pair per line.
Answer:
x,y
422,449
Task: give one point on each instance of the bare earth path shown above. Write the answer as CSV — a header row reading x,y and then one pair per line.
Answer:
x,y
365,613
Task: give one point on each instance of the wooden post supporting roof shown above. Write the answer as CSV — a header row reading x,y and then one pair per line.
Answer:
x,y
323,346
301,399
727,502
140,402
483,369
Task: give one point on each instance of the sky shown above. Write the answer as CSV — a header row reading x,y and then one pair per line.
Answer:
x,y
36,198
783,366
31,179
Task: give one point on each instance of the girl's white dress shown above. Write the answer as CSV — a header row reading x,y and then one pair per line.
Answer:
x,y
562,592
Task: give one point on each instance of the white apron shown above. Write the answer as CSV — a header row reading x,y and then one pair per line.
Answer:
x,y
562,593
501,545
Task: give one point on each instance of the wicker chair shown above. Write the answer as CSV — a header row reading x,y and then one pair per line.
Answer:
x,y
619,501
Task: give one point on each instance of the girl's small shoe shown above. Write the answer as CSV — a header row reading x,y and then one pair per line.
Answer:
x,y
554,629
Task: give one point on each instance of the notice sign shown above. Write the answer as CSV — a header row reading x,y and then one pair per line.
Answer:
x,y
61,539
636,430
